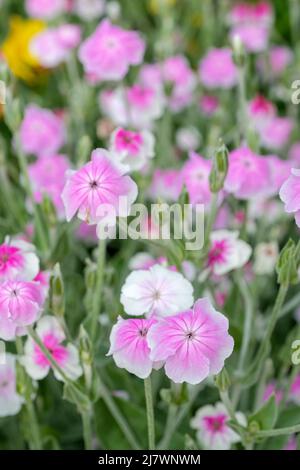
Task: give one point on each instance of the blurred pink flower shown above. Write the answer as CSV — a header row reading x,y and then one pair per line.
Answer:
x,y
193,344
291,443
37,365
295,390
271,388
42,132
209,104
166,184
294,154
261,110
248,174
132,148
217,69
47,9
254,36
48,176
280,58
10,400
18,261
290,194
276,132
110,50
227,252
21,304
210,423
156,291
99,182
129,346
195,176
52,46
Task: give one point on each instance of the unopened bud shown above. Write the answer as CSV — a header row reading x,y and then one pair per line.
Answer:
x,y
57,298
286,266
219,169
83,150
222,380
239,55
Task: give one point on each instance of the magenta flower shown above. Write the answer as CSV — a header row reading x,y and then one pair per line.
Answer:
x,y
193,344
99,182
132,148
47,9
37,365
18,261
227,252
47,176
253,36
195,176
20,306
217,69
290,194
110,50
248,174
42,132
276,132
129,346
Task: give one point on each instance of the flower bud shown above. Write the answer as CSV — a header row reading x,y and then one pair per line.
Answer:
x,y
286,266
57,298
239,55
222,380
219,169
83,150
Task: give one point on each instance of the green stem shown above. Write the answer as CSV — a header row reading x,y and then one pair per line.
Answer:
x,y
150,413
228,405
164,443
248,321
87,431
97,297
120,420
278,432
242,108
34,431
211,219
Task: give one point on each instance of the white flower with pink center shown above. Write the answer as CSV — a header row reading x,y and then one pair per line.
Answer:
x,y
18,261
132,148
211,424
156,291
227,252
21,304
10,400
129,346
52,335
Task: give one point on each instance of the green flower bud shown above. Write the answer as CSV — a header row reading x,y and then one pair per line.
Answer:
x,y
83,150
222,380
57,298
286,267
239,54
219,169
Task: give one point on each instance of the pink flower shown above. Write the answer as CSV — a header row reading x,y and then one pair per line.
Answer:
x,y
21,304
294,154
52,46
291,443
10,400
166,184
193,344
156,291
212,429
276,133
243,12
129,346
248,174
18,261
37,365
132,148
43,278
89,9
110,50
47,176
280,58
254,36
209,104
45,8
177,73
290,194
98,182
227,252
270,389
87,233
280,171
42,132
295,390
188,138
261,110
195,176
217,69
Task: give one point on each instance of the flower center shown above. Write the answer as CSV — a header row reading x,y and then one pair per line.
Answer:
x,y
143,332
93,184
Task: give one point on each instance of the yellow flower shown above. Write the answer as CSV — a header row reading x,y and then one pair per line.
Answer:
x,y
16,51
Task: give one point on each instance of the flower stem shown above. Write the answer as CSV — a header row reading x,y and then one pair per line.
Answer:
x,y
278,432
248,321
150,413
97,296
211,219
87,431
242,108
34,431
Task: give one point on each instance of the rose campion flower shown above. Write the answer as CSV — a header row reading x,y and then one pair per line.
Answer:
x,y
99,182
271,388
52,335
212,429
276,132
166,184
188,138
294,154
266,255
243,12
10,401
52,46
132,148
253,36
47,176
227,252
110,50
209,104
21,304
295,390
47,9
18,261
290,194
260,110
217,69
156,291
192,344
248,174
280,58
42,133
129,346
178,74
195,176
